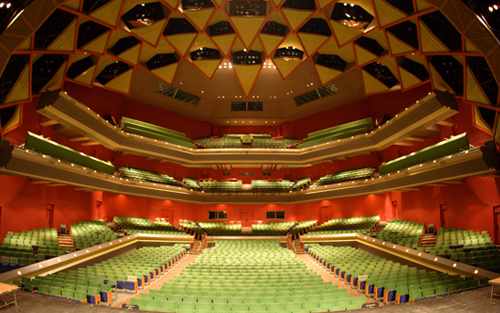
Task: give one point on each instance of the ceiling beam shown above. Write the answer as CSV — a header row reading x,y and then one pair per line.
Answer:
x,y
449,122
45,121
404,143
80,138
415,138
89,143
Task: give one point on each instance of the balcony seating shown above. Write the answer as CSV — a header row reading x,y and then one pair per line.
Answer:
x,y
271,186
134,225
220,229
48,147
447,147
387,280
91,233
302,227
191,183
222,186
248,276
355,174
143,175
156,132
246,141
272,228
361,225
404,233
191,227
338,132
28,247
302,183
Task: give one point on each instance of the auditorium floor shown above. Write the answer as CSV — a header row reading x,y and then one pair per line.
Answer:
x,y
471,301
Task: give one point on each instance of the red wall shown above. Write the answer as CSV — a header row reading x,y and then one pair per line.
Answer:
x,y
23,205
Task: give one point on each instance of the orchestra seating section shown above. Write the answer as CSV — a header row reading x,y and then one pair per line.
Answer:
x,y
401,232
29,247
48,147
155,132
142,225
355,174
143,175
246,141
272,186
247,276
362,225
220,229
93,284
222,186
91,233
441,149
466,246
338,132
272,228
388,280
191,183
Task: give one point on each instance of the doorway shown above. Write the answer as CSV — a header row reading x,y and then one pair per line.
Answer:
x,y
496,220
246,217
326,213
443,209
50,215
394,209
168,215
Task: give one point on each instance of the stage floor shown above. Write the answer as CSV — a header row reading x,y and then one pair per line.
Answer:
x,y
471,301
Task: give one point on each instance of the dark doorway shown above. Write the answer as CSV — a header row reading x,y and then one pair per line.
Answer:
x,y
443,209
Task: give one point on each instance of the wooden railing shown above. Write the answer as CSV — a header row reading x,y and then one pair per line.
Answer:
x,y
204,240
289,241
301,242
191,244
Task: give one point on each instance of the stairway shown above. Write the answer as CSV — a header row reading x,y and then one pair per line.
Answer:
x,y
197,247
428,240
297,248
65,241
113,226
381,226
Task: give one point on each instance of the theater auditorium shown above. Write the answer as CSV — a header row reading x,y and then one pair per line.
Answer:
x,y
286,156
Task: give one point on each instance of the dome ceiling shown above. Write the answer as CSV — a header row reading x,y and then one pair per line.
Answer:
x,y
295,57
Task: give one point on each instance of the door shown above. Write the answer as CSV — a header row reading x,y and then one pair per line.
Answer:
x,y
168,215
326,213
246,217
394,208
496,215
443,208
50,215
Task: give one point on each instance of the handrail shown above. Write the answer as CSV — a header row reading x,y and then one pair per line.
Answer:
x,y
191,245
204,241
301,242
288,241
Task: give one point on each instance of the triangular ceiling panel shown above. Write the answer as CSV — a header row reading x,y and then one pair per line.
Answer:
x,y
326,74
437,81
98,45
66,40
148,52
152,33
310,41
247,28
56,81
26,45
172,3
131,55
346,52
287,66
429,41
469,47
473,90
371,84
224,42
277,3
14,121
363,56
166,73
121,82
207,67
270,42
219,2
387,13
108,13
247,75
398,46
72,4
295,18
423,5
21,89
182,42
200,17
343,33
324,3
87,77
408,80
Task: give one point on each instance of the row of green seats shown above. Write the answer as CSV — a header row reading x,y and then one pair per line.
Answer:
x,y
271,186
303,227
224,185
338,132
272,228
90,233
144,175
220,228
444,148
191,183
402,232
355,174
156,132
134,225
361,224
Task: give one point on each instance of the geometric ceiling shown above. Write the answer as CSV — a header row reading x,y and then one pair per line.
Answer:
x,y
372,46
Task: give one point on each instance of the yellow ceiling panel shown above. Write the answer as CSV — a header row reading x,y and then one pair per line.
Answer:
x,y
371,84
21,89
248,28
98,45
108,13
364,56
473,90
121,82
387,13
286,67
398,46
56,81
150,33
295,17
166,73
66,40
207,67
438,82
408,80
247,75
270,42
131,55
199,18
326,74
429,41
423,5
311,42
87,77
344,33
182,42
224,42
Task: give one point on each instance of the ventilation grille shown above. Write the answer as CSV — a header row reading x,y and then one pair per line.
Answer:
x,y
316,94
178,94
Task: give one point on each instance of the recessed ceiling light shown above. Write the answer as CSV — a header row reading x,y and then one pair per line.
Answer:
x,y
202,91
266,122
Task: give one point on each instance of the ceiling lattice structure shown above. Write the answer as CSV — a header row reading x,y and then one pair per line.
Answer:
x,y
386,45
